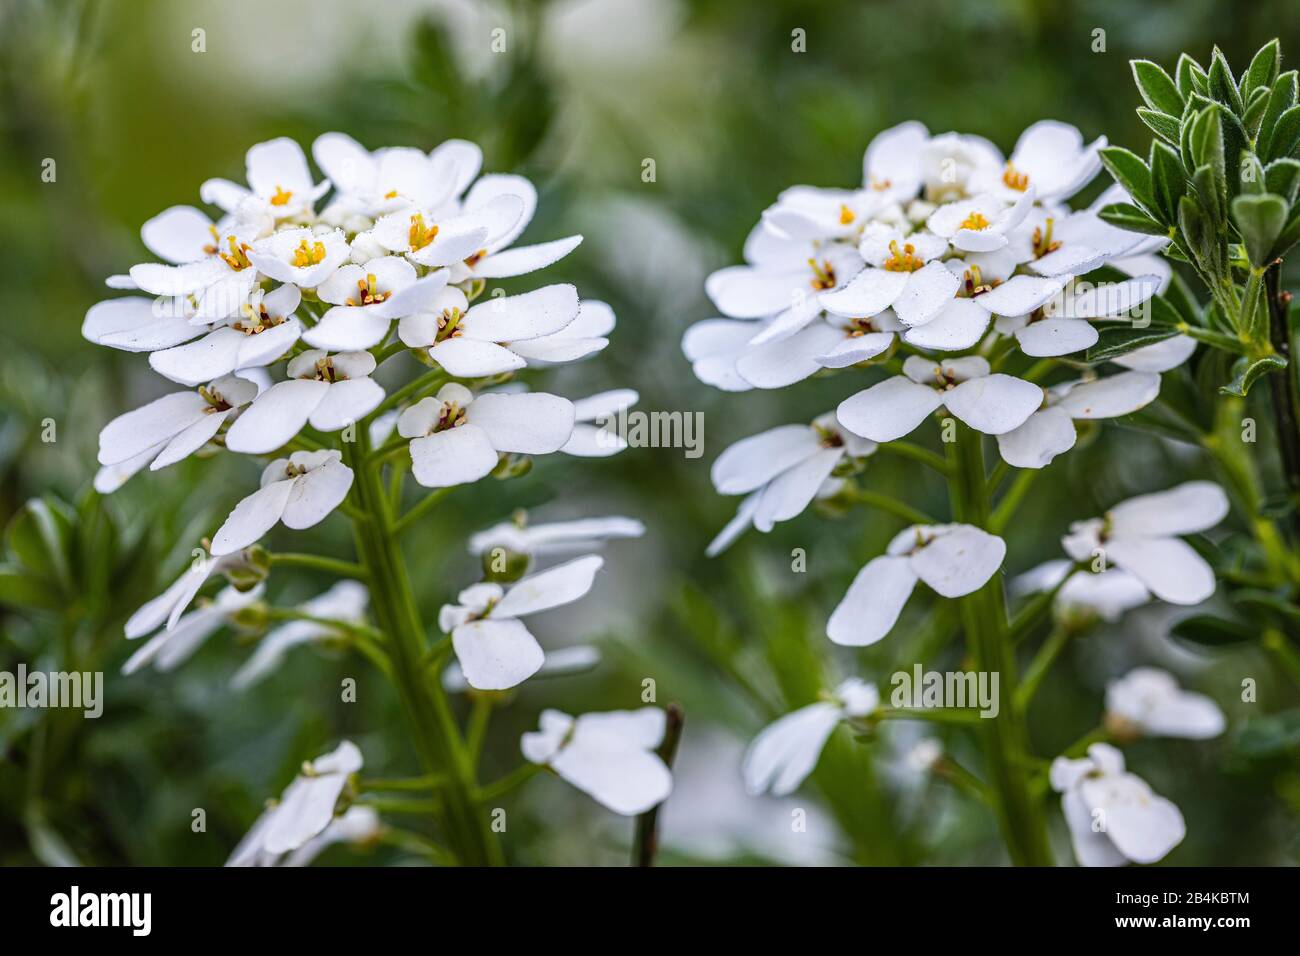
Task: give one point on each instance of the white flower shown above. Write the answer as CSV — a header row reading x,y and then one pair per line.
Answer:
x,y
359,825
562,662
780,471
1056,244
428,240
555,537
328,391
785,752
1063,324
610,756
1050,430
176,643
345,602
167,607
367,298
493,646
264,330
139,324
781,276
480,341
903,273
305,809
1106,594
953,559
300,491
173,427
713,348
584,336
1149,701
1113,816
369,184
595,434
980,223
497,260
1050,157
953,164
1160,356
1141,536
219,283
279,183
989,403
456,438
304,257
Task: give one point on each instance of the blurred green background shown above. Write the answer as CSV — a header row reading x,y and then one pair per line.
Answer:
x,y
586,91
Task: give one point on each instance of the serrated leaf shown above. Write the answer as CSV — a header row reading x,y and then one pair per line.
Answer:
x,y
1131,172
1157,89
1247,373
1115,340
1162,124
1124,215
1260,219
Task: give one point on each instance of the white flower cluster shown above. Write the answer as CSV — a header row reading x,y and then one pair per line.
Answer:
x,y
946,264
275,318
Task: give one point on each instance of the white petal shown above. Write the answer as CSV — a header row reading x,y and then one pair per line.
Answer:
x,y
190,440
553,587
265,347
888,410
1143,825
137,324
870,608
276,416
928,292
509,318
131,434
1021,295
1190,507
752,462
624,779
345,328
993,404
346,403
316,494
1092,847
277,164
868,293
524,259
452,457
178,234
513,199
960,561
533,423
1161,356
785,752
738,525
214,355
958,325
746,292
1056,336
792,491
781,363
496,654
253,517
1111,397
1169,567
471,358
1044,435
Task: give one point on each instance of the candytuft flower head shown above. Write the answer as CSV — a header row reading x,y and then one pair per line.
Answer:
x,y
1148,702
953,559
786,752
609,756
495,649
1113,816
1141,537
299,491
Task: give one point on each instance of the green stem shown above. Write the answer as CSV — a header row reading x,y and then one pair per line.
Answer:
x,y
892,505
1010,501
1041,664
465,827
1276,644
418,511
938,715
342,569
645,843
509,781
984,619
916,453
429,380
1282,388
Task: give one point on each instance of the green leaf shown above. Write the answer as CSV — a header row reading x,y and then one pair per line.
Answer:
x,y
1211,631
26,591
1281,98
1260,220
37,538
1269,736
1263,69
1282,176
1212,199
1223,87
1252,174
1190,76
1290,234
1130,172
1116,339
1272,607
1197,233
1156,87
1286,135
1247,373
1124,215
1255,109
1167,181
1162,124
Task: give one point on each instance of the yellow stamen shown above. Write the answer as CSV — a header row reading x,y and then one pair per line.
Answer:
x,y
420,235
1013,179
973,283
823,275
237,257
308,254
879,185
904,260
212,247
976,221
472,261
1043,242
369,292
281,196
391,194
449,325
846,215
